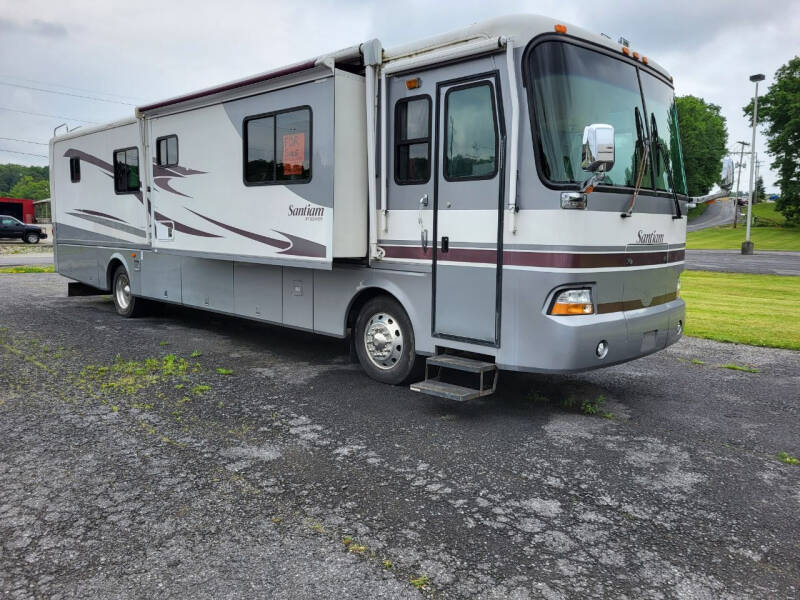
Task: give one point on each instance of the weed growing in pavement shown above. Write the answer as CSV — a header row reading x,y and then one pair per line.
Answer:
x,y
735,367
195,354
697,361
387,564
200,389
592,407
163,343
223,371
317,528
788,458
421,583
572,402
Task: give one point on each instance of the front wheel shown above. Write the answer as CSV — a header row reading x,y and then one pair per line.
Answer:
x,y
384,341
32,238
125,302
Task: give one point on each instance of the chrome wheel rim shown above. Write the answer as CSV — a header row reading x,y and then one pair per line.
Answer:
x,y
122,291
383,340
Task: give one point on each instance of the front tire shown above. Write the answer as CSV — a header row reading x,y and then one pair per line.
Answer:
x,y
32,238
125,302
384,341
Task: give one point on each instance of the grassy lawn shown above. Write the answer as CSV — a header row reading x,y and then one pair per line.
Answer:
x,y
728,238
697,211
29,269
760,310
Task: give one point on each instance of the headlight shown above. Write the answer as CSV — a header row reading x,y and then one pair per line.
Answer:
x,y
573,302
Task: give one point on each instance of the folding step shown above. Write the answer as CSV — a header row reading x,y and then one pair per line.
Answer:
x,y
460,363
433,387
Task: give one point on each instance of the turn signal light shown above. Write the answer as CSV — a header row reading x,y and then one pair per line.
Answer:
x,y
560,28
413,84
573,302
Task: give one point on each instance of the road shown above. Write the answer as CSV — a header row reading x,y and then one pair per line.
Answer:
x,y
733,261
37,258
295,476
719,212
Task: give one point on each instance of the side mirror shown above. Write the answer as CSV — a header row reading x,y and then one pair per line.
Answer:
x,y
726,182
598,148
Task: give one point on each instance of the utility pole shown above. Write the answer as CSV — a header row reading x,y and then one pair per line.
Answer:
x,y
747,245
738,180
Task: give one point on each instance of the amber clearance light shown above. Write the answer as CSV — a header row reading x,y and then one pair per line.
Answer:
x,y
573,302
560,28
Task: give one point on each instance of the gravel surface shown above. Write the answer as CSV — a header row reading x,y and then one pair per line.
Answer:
x,y
733,261
295,476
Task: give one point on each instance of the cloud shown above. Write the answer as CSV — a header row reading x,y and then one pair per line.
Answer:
x,y
34,27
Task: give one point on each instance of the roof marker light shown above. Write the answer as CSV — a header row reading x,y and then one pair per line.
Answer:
x,y
559,28
644,59
626,51
636,56
413,84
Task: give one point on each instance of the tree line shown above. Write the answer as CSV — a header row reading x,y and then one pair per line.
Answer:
x,y
20,181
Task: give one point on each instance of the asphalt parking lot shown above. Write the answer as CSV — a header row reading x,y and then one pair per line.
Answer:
x,y
268,465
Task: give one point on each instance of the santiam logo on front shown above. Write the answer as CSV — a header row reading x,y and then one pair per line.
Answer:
x,y
643,237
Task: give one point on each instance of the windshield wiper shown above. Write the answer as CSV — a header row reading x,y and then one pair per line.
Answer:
x,y
661,152
645,145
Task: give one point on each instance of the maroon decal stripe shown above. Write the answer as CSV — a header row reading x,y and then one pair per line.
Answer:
x,y
185,228
163,183
283,245
610,307
99,214
561,260
231,86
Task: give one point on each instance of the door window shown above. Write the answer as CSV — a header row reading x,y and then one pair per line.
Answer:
x,y
470,145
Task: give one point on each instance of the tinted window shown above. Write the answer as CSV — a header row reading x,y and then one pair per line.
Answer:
x,y
167,151
278,147
663,122
412,140
126,170
470,134
75,169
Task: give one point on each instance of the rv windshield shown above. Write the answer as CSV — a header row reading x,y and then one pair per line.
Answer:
x,y
574,87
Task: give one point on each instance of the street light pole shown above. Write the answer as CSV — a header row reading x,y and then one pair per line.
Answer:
x,y
747,245
738,181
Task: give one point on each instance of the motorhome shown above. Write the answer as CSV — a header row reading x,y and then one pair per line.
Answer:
x,y
508,196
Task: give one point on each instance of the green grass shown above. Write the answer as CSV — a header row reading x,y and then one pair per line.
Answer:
x,y
760,310
787,458
766,215
735,367
29,269
728,238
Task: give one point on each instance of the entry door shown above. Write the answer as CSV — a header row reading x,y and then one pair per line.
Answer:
x,y
467,210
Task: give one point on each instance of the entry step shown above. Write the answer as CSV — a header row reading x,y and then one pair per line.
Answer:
x,y
460,363
450,391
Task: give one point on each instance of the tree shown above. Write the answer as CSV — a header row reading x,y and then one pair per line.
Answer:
x,y
779,111
761,192
10,174
28,187
704,138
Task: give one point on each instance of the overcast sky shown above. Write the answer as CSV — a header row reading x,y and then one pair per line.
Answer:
x,y
134,52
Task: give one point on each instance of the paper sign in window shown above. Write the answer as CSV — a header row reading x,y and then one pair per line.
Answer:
x,y
294,150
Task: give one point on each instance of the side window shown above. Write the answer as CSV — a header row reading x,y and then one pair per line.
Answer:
x,y
412,140
470,145
167,151
126,170
75,169
278,147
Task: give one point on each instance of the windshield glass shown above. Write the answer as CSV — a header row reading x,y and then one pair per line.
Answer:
x,y
663,122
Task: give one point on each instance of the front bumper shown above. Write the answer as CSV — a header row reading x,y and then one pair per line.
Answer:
x,y
568,344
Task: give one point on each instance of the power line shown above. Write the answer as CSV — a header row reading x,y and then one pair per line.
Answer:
x,y
67,87
26,153
25,141
28,87
26,112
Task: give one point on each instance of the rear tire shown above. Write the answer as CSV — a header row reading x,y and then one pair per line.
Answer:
x,y
384,341
32,238
125,302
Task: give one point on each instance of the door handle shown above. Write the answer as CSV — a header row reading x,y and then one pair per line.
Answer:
x,y
445,244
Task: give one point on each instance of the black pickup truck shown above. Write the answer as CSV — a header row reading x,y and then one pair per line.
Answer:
x,y
12,228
